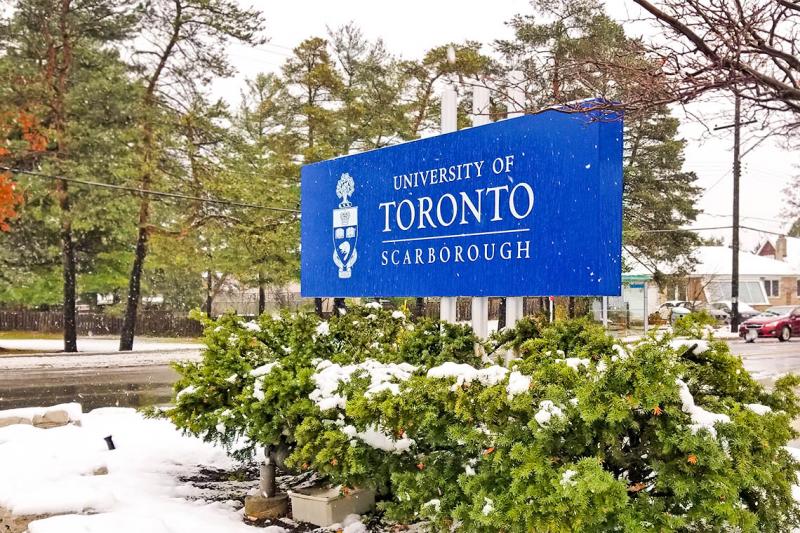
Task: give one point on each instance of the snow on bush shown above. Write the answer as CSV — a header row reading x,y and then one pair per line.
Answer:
x,y
579,433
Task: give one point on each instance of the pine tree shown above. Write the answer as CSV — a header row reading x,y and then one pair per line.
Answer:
x,y
564,52
188,39
51,47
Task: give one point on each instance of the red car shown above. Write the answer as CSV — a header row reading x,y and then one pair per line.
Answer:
x,y
780,322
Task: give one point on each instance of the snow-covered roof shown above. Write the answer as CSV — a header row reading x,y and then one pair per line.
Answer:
x,y
793,251
716,261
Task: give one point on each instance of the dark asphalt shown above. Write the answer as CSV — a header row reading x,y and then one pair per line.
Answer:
x,y
766,359
92,387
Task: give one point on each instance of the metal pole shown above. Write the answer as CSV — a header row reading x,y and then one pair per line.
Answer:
x,y
646,310
737,170
605,312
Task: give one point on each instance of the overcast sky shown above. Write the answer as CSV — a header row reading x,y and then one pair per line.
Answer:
x,y
411,27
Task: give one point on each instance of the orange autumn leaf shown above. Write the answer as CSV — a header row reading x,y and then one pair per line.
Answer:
x,y
692,459
636,487
334,462
9,200
487,451
657,411
421,466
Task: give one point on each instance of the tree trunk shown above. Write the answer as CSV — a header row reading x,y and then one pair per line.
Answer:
x,y
262,297
63,68
571,307
209,292
135,283
338,305
68,267
501,319
420,305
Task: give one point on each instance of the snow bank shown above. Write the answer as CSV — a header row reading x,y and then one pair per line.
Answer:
x,y
701,419
382,376
51,472
74,410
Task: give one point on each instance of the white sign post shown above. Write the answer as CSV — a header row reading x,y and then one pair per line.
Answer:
x,y
516,96
447,305
480,305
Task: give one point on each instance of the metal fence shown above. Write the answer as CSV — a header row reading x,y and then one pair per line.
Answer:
x,y
530,306
148,323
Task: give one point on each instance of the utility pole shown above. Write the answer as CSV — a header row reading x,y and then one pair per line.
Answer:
x,y
737,174
737,171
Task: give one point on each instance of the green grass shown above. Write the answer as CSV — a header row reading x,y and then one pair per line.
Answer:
x,y
56,336
28,335
6,352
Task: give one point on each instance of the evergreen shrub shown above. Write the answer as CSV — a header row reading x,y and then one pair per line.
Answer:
x,y
580,433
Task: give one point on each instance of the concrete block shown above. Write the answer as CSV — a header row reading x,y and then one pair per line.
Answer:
x,y
57,416
325,506
11,420
11,523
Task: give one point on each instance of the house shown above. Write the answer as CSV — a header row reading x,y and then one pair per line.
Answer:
x,y
786,250
242,300
763,280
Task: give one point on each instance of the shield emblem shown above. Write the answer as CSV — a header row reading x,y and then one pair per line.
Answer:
x,y
345,236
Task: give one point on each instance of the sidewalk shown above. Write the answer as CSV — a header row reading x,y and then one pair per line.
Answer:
x,y
93,345
94,353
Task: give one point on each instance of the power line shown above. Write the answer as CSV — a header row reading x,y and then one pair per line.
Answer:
x,y
148,192
712,228
676,230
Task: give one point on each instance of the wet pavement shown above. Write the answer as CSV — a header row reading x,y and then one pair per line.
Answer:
x,y
92,387
131,380
767,359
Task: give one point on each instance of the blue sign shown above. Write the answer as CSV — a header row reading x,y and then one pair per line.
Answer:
x,y
523,207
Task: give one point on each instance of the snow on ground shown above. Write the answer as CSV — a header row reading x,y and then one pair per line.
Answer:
x,y
94,345
51,471
110,360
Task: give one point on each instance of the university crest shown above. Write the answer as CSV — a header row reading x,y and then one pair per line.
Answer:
x,y
345,227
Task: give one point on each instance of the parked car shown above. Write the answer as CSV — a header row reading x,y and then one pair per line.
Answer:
x,y
719,314
779,322
745,311
674,309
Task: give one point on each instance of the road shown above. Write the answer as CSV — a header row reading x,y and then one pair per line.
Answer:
x,y
91,387
135,380
767,359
